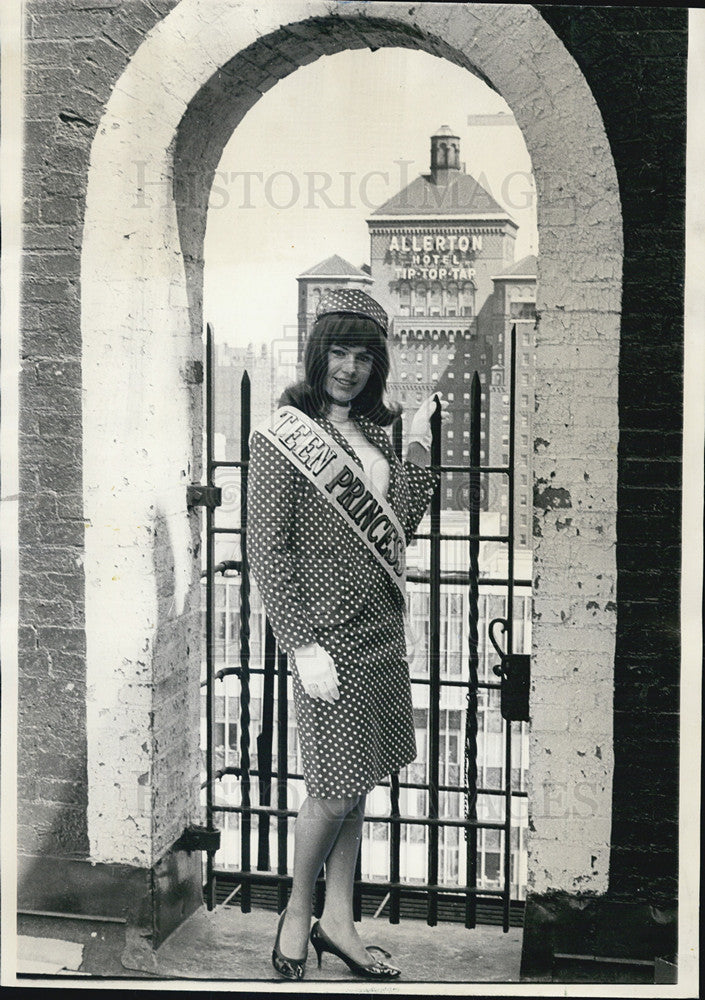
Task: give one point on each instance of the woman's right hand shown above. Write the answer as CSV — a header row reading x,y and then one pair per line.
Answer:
x,y
317,672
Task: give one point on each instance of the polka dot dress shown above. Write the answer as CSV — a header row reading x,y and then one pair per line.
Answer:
x,y
319,583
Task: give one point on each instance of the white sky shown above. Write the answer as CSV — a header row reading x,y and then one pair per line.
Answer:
x,y
360,113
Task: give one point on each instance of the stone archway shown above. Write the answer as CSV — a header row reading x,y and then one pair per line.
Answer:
x,y
176,104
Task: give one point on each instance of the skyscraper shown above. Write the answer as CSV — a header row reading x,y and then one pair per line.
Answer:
x,y
435,249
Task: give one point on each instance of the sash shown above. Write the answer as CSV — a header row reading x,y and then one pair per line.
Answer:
x,y
344,485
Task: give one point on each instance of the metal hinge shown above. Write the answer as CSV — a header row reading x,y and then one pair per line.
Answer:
x,y
204,496
198,838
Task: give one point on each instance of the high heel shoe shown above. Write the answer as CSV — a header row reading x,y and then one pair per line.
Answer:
x,y
375,970
290,968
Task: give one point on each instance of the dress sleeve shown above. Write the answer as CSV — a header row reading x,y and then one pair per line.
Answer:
x,y
271,505
422,484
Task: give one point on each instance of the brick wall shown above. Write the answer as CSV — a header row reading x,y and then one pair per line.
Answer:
x,y
639,54
74,52
73,71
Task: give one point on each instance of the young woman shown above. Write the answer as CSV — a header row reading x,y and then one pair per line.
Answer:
x,y
330,510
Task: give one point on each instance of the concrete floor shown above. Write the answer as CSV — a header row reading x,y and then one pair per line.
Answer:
x,y
227,944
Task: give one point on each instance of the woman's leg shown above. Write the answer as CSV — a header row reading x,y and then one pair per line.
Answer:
x,y
337,919
317,826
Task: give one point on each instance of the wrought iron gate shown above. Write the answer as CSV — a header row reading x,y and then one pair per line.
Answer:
x,y
270,670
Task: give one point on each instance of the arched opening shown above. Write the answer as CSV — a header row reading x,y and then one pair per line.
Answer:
x,y
253,252
151,173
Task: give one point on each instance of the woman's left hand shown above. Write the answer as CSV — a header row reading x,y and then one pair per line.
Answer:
x,y
420,429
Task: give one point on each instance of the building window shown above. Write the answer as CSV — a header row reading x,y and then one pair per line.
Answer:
x,y
451,375
450,435
522,539
451,397
522,501
526,338
466,396
466,453
524,400
522,310
466,434
466,376
492,866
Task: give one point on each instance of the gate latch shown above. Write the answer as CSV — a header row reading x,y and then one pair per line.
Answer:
x,y
515,673
204,496
198,838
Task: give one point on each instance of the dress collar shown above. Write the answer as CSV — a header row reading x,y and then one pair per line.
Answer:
x,y
338,413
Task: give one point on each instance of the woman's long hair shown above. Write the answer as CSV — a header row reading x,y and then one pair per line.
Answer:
x,y
345,330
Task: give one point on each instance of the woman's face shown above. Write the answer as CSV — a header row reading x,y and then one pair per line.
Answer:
x,y
348,371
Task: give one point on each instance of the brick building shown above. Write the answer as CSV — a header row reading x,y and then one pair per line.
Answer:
x,y
513,305
109,414
333,272
230,363
434,247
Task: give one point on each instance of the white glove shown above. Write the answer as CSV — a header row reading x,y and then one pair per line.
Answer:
x,y
420,429
317,672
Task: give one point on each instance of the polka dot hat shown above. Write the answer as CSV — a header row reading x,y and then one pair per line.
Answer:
x,y
355,301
